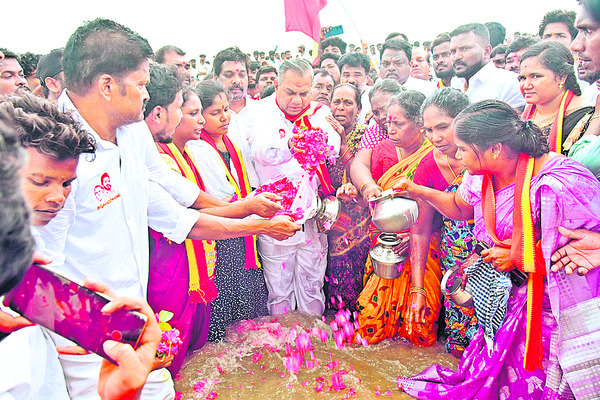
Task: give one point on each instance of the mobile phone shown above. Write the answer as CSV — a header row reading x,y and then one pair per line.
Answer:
x,y
517,277
334,31
73,311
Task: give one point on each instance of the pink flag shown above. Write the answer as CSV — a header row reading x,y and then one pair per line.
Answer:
x,y
303,16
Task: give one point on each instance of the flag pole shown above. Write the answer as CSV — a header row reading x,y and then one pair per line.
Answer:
x,y
373,62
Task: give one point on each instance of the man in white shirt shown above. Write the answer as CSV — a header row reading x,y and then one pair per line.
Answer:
x,y
294,268
231,70
476,75
395,64
354,69
127,187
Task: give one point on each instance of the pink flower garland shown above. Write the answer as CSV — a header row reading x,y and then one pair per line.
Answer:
x,y
310,148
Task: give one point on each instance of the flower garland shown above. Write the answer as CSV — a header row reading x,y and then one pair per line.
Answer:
x,y
309,147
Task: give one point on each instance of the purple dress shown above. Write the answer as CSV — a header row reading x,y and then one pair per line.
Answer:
x,y
564,193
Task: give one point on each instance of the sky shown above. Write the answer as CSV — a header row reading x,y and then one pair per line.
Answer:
x,y
204,26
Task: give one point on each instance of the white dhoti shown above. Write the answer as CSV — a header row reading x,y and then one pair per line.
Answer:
x,y
294,270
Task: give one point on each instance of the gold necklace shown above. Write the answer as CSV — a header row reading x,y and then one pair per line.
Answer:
x,y
451,169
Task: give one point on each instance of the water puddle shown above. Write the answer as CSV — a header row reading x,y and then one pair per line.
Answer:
x,y
251,364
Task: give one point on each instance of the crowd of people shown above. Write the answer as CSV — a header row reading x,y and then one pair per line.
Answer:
x,y
137,172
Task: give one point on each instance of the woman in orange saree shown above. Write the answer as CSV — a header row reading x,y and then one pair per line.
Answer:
x,y
382,302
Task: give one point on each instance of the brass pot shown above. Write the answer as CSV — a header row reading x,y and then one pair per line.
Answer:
x,y
386,263
394,214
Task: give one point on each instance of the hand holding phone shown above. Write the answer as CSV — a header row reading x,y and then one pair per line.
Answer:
x,y
75,312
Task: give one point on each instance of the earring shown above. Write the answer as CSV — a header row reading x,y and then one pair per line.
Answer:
x,y
561,85
494,155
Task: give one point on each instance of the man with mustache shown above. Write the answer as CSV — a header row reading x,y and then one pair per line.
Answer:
x,y
231,70
476,75
11,73
395,64
322,87
442,61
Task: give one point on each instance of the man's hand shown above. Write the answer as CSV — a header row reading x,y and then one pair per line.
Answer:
x,y
581,254
265,204
125,380
9,324
282,227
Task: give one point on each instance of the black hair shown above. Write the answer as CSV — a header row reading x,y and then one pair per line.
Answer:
x,y
100,47
335,42
355,60
385,86
411,102
489,122
500,49
9,54
265,70
480,30
357,92
557,58
40,125
522,42
448,100
439,39
559,16
165,83
334,56
497,33
207,90
29,63
397,44
395,35
16,242
253,66
160,53
230,54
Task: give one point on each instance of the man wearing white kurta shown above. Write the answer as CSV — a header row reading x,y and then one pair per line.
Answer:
x,y
294,268
103,227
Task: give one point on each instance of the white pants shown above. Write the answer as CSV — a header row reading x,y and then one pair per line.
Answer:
x,y
82,372
294,270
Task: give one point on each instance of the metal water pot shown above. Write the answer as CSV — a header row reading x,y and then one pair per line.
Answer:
x,y
394,214
452,287
327,212
386,263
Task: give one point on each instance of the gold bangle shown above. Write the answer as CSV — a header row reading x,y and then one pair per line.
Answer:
x,y
420,290
365,184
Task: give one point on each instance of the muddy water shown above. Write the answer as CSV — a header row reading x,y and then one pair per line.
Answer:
x,y
247,365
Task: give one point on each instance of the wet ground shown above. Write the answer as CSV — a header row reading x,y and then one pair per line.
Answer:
x,y
252,364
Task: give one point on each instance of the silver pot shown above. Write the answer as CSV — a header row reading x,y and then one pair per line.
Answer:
x,y
386,263
451,287
394,214
326,213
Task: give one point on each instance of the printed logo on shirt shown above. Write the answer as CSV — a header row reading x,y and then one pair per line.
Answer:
x,y
104,192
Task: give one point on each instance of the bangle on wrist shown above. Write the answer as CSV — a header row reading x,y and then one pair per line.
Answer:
x,y
420,290
365,184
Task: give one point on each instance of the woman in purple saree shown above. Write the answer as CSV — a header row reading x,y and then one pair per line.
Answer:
x,y
492,140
